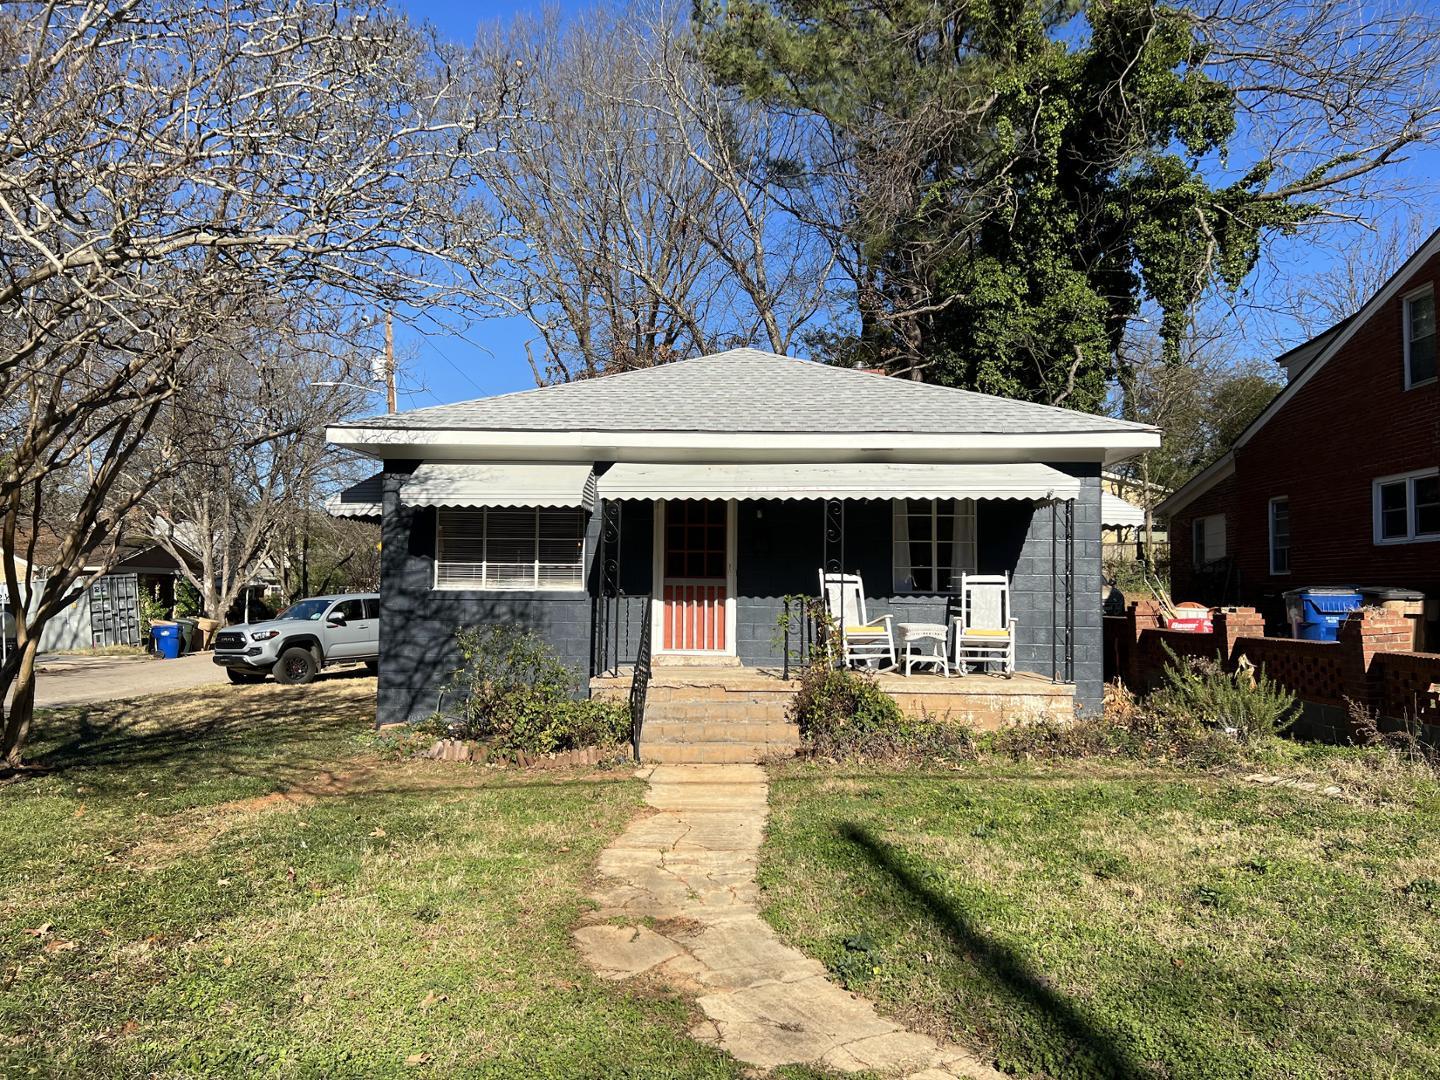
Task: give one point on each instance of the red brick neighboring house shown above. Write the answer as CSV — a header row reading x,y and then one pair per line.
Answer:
x,y
1337,482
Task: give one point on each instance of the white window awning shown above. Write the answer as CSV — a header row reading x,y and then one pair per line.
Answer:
x,y
835,480
363,500
1116,512
461,484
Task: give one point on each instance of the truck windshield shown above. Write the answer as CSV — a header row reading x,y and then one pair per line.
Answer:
x,y
305,610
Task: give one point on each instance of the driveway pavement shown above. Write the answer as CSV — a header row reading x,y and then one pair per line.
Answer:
x,y
79,680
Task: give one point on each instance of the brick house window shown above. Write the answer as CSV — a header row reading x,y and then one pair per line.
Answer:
x,y
510,549
934,543
1280,535
1407,507
1420,338
1208,540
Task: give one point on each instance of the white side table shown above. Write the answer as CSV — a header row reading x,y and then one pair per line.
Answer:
x,y
921,635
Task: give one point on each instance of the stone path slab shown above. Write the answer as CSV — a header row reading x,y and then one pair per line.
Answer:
x,y
677,900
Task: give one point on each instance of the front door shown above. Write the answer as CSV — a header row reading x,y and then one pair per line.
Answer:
x,y
695,574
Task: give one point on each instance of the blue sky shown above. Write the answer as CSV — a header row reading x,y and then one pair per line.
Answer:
x,y
488,357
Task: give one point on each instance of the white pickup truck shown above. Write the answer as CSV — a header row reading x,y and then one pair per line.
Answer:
x,y
304,638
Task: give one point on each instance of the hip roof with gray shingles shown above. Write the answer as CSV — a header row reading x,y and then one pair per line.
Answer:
x,y
753,391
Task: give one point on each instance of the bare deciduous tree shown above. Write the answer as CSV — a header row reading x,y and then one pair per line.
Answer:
x,y
639,223
250,436
165,166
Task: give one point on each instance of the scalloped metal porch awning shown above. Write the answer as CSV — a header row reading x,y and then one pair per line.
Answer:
x,y
474,484
832,480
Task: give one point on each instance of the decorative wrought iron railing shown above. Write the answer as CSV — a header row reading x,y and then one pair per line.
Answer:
x,y
801,633
640,685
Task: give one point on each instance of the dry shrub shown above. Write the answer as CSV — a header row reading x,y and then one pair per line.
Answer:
x,y
843,714
1126,727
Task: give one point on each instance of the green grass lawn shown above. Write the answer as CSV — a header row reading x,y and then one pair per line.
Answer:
x,y
164,913
1095,921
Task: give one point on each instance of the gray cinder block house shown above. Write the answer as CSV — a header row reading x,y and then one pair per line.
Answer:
x,y
669,511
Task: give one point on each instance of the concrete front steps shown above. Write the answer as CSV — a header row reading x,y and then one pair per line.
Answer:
x,y
695,721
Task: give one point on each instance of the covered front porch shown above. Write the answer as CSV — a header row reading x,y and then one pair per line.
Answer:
x,y
705,584
717,563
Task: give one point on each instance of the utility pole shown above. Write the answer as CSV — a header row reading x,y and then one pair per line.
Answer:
x,y
389,363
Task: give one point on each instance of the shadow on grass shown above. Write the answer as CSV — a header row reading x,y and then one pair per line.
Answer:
x,y
300,739
211,730
1093,1051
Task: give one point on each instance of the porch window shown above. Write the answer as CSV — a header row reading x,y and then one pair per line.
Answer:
x,y
934,544
1420,338
510,549
1407,508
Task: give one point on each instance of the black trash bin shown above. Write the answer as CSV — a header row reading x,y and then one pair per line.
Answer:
x,y
187,633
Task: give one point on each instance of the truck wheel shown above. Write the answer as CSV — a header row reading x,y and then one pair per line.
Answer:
x,y
244,678
372,667
295,667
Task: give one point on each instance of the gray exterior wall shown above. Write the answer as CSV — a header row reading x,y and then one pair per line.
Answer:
x,y
780,550
418,622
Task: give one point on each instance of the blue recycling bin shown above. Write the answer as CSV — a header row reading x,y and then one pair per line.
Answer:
x,y
1316,614
167,640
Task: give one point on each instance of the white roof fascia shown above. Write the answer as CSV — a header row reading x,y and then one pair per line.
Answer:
x,y
374,441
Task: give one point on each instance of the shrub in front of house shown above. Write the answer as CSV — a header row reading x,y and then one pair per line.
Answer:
x,y
843,713
512,692
1201,714
1244,703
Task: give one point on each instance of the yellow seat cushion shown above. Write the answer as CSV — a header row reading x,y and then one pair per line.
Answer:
x,y
986,633
864,629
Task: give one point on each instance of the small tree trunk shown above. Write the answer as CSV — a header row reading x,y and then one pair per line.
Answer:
x,y
22,707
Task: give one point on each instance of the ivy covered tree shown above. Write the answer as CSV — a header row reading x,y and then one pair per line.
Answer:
x,y
1011,180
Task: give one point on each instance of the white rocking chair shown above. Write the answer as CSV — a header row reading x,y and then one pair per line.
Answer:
x,y
984,630
863,640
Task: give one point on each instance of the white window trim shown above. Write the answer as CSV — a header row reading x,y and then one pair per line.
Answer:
x,y
1270,519
900,506
436,585
1406,301
1408,478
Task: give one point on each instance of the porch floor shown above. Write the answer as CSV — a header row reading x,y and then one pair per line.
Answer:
x,y
715,714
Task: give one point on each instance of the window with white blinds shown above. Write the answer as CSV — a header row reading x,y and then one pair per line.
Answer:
x,y
510,549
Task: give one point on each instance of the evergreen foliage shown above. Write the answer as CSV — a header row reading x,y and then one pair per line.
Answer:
x,y
1018,176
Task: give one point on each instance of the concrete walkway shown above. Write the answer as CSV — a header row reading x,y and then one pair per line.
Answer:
x,y
678,901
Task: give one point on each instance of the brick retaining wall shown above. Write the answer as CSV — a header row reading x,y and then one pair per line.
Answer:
x,y
1370,664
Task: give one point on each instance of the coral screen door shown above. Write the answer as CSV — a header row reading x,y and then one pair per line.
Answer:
x,y
694,546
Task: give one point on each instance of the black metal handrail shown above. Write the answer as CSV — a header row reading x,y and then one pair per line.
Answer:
x,y
640,683
804,626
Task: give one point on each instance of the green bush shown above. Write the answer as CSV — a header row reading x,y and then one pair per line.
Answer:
x,y
514,693
844,713
1244,703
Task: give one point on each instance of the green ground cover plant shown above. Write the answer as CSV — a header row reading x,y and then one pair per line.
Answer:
x,y
1105,917
239,883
